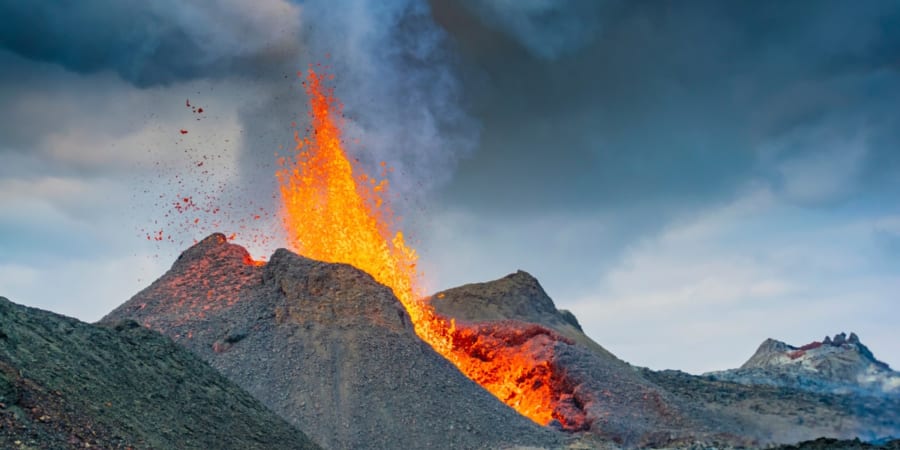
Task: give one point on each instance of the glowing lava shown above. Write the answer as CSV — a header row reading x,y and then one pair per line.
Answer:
x,y
334,212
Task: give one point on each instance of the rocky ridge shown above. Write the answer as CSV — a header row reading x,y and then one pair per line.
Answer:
x,y
69,384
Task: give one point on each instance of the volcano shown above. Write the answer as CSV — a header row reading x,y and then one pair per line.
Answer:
x,y
325,347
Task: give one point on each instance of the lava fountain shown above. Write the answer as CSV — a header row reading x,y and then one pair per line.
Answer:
x,y
332,211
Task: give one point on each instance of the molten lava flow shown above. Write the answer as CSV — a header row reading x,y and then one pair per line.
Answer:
x,y
334,213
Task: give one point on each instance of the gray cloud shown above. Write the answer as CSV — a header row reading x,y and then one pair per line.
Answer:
x,y
156,42
667,111
547,28
676,104
394,72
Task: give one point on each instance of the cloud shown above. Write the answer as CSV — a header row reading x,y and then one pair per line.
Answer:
x,y
547,28
724,280
829,172
87,288
673,107
394,67
150,43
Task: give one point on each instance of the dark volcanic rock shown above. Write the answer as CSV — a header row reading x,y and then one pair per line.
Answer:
x,y
327,348
68,384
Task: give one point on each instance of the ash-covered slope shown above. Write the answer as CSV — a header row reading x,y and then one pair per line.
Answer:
x,y
834,365
616,401
327,348
68,384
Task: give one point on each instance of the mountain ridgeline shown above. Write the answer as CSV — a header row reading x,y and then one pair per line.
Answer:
x,y
225,352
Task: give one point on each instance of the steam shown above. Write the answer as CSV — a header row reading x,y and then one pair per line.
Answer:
x,y
395,75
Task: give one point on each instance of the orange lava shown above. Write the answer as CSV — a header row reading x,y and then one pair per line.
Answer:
x,y
334,212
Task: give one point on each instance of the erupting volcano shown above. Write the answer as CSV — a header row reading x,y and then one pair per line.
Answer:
x,y
334,212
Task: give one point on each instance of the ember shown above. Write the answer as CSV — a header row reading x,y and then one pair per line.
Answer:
x,y
332,211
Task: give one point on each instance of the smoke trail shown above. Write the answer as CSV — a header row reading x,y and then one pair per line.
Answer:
x,y
395,74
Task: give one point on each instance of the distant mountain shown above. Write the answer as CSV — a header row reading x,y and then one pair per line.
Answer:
x,y
327,348
840,364
68,384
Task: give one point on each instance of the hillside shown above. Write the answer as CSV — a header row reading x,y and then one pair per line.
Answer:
x,y
69,384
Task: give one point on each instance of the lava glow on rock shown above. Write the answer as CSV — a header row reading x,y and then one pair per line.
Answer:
x,y
334,212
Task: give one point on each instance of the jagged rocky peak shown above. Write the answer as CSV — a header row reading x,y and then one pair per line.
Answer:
x,y
773,352
837,363
841,339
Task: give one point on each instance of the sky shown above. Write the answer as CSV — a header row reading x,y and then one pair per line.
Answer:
x,y
689,178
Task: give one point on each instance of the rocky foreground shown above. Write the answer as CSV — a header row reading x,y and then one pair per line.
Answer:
x,y
68,384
